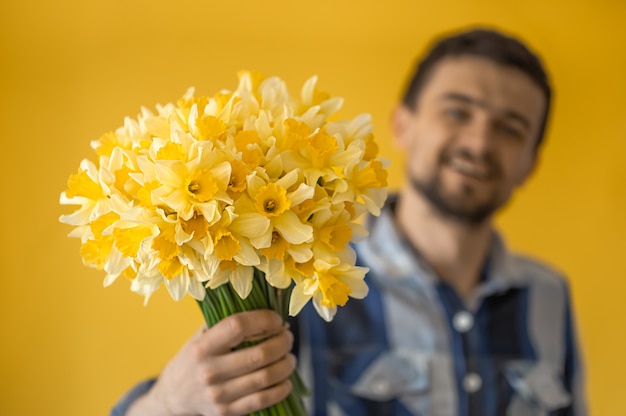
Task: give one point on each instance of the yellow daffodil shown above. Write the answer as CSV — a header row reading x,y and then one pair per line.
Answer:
x,y
368,181
280,258
239,276
317,106
330,286
230,242
213,190
190,187
270,203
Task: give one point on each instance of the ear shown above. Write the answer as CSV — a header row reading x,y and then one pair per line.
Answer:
x,y
401,126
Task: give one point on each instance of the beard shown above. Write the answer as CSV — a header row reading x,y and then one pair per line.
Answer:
x,y
462,205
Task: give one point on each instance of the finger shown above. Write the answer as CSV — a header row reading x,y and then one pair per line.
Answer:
x,y
262,379
261,399
233,330
263,335
248,360
199,332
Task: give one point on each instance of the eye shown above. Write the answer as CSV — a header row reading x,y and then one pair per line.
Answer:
x,y
510,130
456,114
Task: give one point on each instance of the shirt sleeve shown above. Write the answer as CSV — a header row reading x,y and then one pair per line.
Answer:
x,y
122,406
574,368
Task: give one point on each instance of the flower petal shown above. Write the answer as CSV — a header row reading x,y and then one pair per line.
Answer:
x,y
250,224
298,299
276,274
177,286
292,229
241,280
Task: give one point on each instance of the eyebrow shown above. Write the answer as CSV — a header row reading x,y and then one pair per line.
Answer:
x,y
456,96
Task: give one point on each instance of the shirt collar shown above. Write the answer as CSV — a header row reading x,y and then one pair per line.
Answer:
x,y
394,261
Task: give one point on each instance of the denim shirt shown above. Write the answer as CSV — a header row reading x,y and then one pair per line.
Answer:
x,y
414,347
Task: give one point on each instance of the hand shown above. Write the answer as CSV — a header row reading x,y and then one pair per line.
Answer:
x,y
207,377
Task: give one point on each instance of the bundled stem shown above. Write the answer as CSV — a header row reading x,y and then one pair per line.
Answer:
x,y
223,301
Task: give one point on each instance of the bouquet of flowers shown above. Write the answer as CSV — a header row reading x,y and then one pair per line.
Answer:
x,y
246,199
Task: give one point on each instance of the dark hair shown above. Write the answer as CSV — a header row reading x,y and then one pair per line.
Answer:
x,y
488,44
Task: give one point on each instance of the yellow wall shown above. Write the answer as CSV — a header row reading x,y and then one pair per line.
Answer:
x,y
72,69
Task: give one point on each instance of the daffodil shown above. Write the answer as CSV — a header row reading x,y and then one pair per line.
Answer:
x,y
189,187
209,191
317,106
175,272
271,203
334,230
329,287
230,239
94,189
239,276
368,181
280,259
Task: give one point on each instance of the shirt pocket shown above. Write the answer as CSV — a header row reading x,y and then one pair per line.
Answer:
x,y
369,382
538,389
392,375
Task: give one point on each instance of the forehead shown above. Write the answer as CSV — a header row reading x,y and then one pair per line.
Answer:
x,y
502,88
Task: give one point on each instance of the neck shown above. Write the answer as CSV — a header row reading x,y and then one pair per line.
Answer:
x,y
455,250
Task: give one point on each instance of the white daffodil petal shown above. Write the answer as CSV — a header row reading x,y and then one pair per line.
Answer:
x,y
170,174
250,224
254,183
79,217
298,299
116,263
289,179
241,280
308,90
218,280
301,253
360,126
221,172
146,286
76,200
301,194
210,211
83,232
332,105
181,237
247,256
176,286
326,313
292,229
276,274
196,289
109,279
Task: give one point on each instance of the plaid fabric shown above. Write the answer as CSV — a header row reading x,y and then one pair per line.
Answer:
x,y
414,347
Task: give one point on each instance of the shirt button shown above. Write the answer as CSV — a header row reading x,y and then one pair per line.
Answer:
x,y
463,321
380,386
472,383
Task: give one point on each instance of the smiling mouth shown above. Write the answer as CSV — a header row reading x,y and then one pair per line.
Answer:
x,y
468,168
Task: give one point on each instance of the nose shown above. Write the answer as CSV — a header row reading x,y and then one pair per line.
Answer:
x,y
476,135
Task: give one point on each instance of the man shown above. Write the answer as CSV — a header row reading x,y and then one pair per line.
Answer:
x,y
454,324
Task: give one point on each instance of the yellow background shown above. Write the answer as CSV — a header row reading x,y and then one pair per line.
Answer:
x,y
72,69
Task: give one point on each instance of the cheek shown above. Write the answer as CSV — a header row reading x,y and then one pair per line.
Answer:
x,y
521,170
425,145
422,157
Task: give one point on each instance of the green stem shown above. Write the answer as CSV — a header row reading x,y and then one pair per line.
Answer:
x,y
224,301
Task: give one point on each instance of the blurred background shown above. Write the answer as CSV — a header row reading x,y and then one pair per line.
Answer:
x,y
71,70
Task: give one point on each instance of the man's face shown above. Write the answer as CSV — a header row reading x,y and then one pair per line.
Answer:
x,y
471,139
